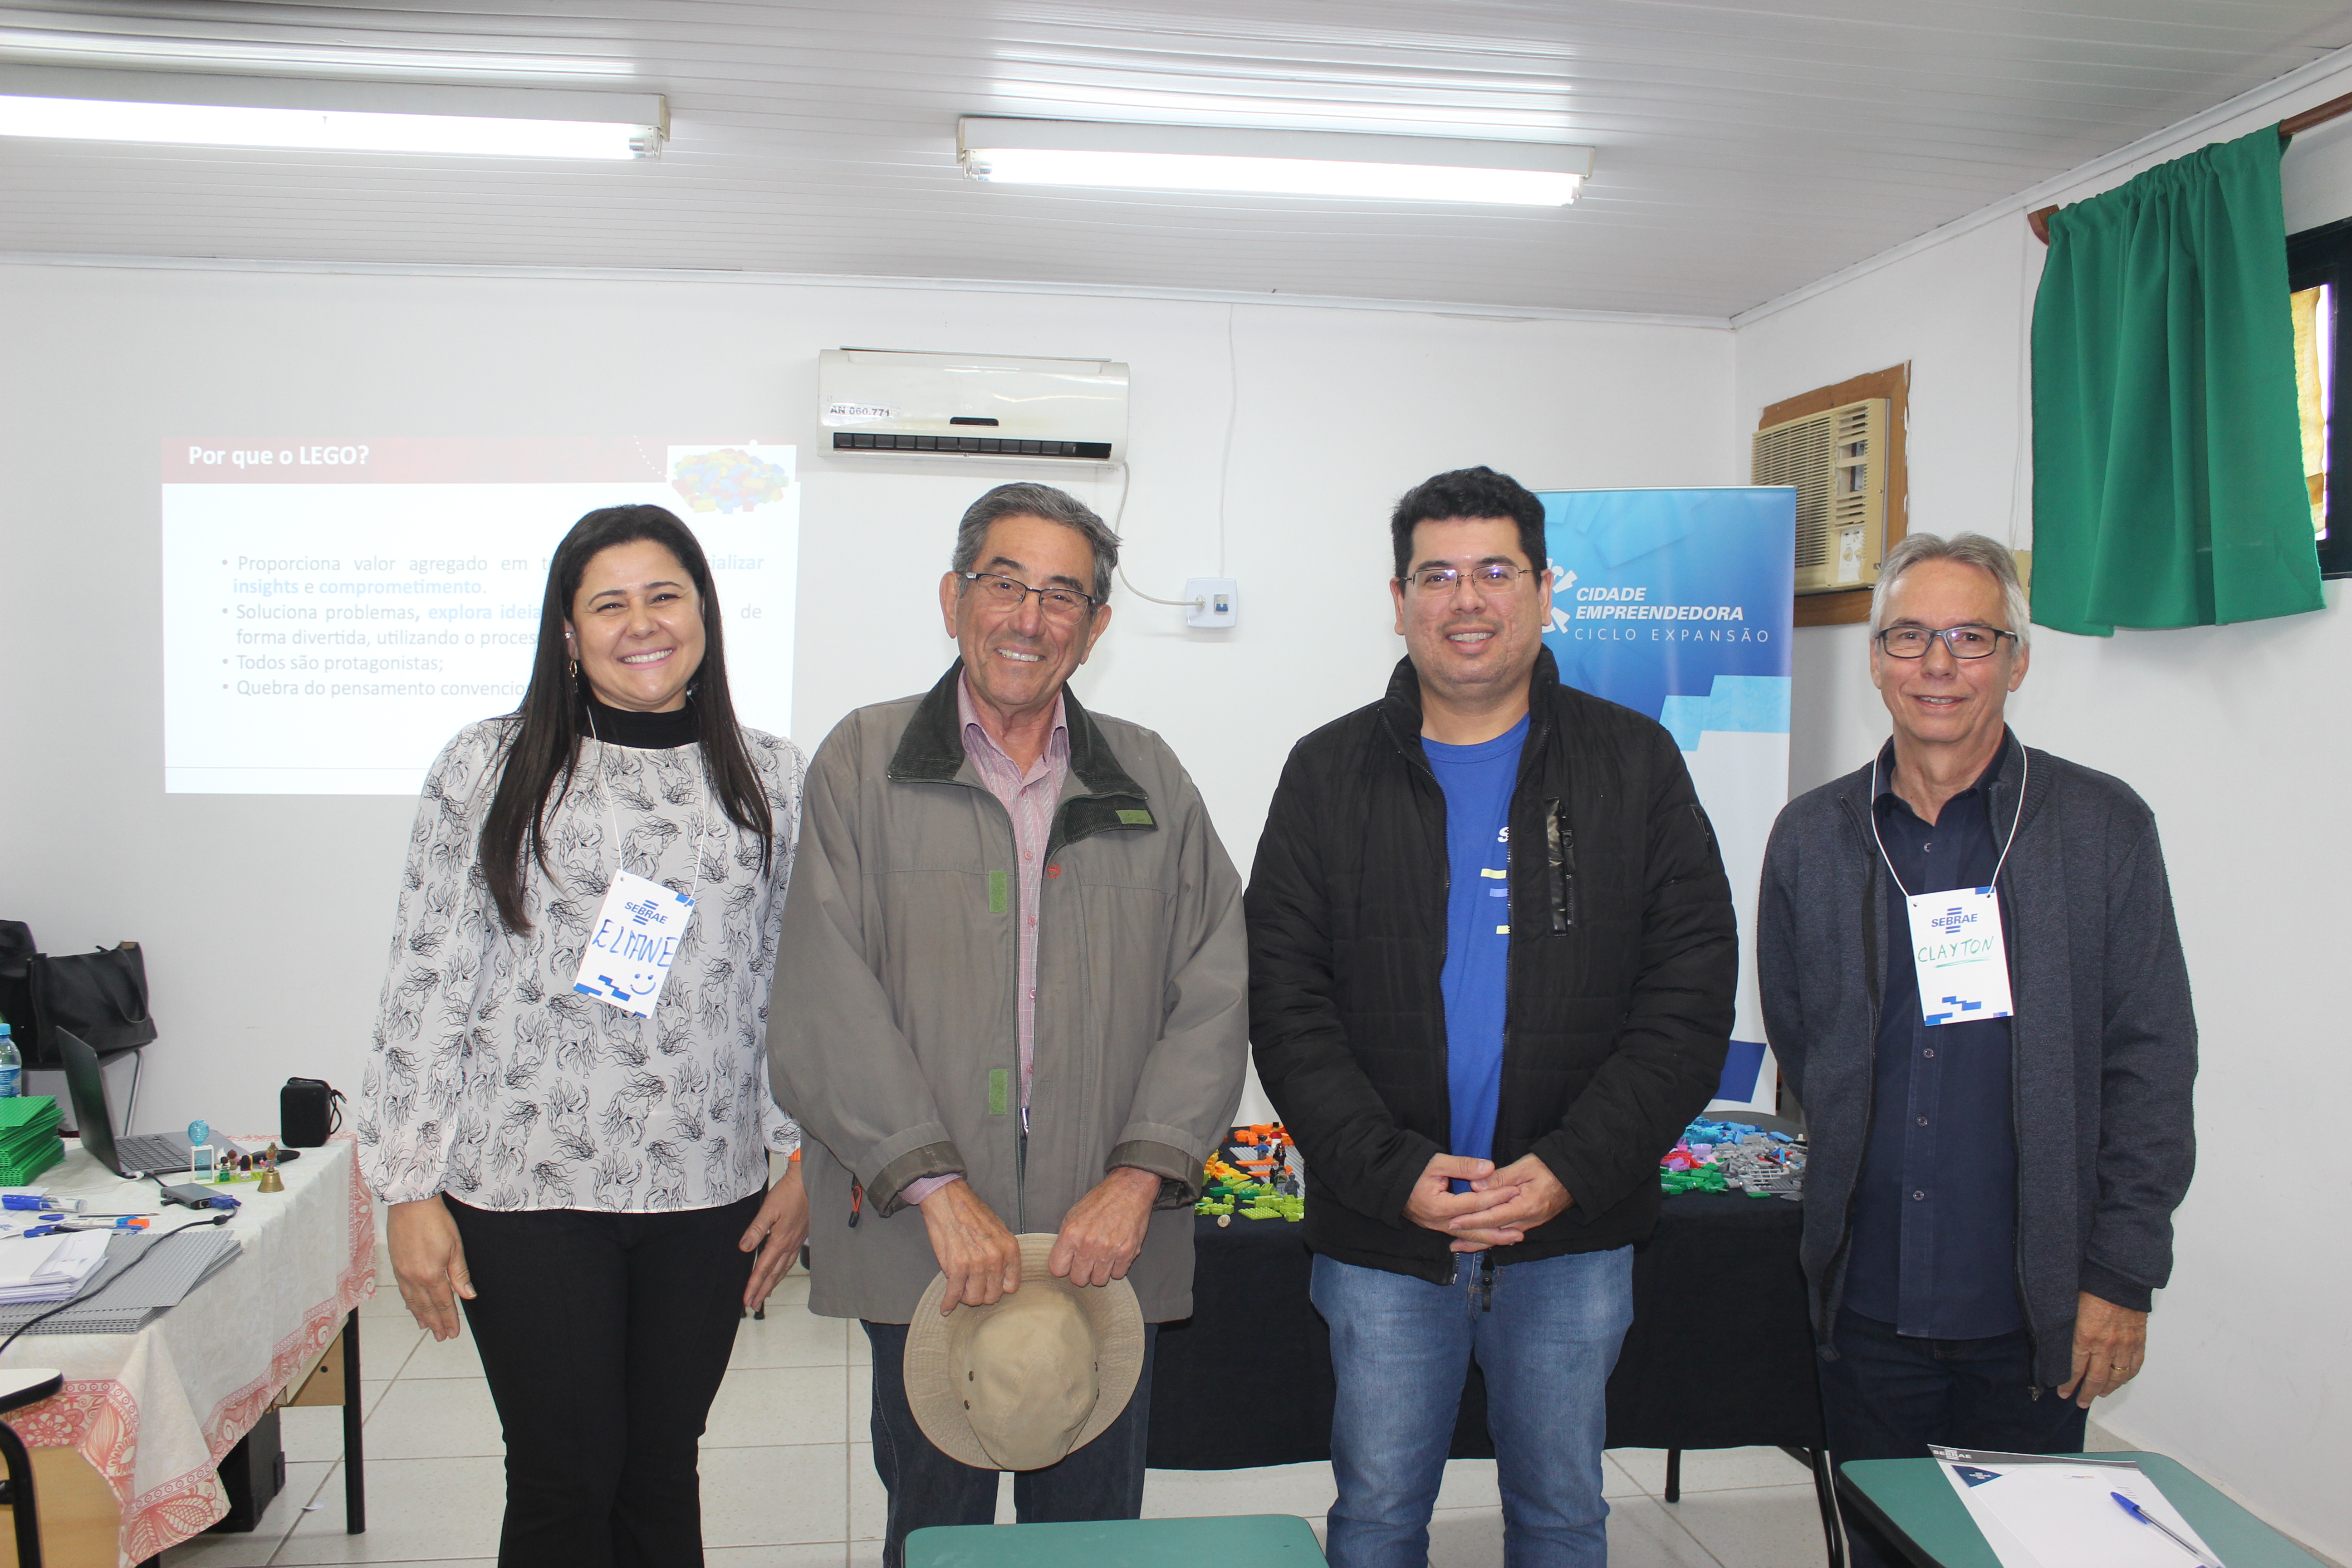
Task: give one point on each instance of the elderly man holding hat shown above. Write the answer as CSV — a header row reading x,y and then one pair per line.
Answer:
x,y
1010,1013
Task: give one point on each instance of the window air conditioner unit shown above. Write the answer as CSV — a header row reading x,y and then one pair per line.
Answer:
x,y
1837,461
877,402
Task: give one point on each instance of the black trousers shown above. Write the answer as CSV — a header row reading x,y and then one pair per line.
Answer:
x,y
604,1337
1888,1396
1102,1480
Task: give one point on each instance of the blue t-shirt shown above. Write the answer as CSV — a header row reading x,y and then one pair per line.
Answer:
x,y
1477,780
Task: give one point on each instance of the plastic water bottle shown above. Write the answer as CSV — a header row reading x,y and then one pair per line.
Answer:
x,y
12,1066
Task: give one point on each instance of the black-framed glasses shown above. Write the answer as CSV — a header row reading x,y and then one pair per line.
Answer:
x,y
1487,577
999,592
1965,642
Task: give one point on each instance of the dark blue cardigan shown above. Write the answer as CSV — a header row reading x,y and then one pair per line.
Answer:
x,y
2105,1041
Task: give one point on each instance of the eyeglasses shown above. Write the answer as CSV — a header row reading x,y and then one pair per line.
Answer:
x,y
1000,593
1487,577
1965,642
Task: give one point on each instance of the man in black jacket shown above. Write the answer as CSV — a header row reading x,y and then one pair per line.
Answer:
x,y
1492,958
1989,1205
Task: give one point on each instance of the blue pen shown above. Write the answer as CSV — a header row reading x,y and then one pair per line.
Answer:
x,y
2142,1515
35,1201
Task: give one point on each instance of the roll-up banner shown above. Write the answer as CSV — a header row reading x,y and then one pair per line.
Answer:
x,y
1677,604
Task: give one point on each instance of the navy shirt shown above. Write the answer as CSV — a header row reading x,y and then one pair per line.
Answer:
x,y
1934,1248
1478,780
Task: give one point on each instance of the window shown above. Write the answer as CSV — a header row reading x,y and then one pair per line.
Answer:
x,y
2319,267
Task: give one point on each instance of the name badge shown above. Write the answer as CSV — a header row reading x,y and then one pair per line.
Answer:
x,y
1963,964
637,934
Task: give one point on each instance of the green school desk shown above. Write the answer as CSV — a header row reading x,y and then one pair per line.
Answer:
x,y
1914,1506
1260,1539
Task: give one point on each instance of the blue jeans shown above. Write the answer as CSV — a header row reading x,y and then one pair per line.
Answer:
x,y
1545,1332
1102,1480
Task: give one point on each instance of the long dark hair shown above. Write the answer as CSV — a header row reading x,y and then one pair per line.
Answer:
x,y
545,743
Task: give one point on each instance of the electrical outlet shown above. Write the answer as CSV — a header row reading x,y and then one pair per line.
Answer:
x,y
1214,602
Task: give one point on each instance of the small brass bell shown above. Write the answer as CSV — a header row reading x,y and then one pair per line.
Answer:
x,y
271,1182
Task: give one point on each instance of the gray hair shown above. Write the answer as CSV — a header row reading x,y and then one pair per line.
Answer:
x,y
1989,556
1037,500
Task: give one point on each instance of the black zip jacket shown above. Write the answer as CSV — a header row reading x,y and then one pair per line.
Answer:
x,y
1625,953
2102,1047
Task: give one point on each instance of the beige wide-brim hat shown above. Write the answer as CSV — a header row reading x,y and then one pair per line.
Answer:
x,y
1021,1384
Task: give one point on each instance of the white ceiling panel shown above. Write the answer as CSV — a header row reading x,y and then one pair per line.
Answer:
x,y
1743,150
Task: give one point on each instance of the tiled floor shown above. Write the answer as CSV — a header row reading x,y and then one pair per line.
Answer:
x,y
788,1480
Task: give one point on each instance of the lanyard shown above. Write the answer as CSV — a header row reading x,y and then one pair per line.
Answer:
x,y
1956,942
2026,777
701,812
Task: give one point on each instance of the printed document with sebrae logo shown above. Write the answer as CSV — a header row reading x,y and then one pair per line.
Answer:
x,y
2058,1510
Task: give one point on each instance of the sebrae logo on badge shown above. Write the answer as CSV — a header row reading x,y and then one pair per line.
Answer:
x,y
1955,941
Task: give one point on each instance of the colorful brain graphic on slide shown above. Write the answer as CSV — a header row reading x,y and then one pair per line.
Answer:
x,y
729,480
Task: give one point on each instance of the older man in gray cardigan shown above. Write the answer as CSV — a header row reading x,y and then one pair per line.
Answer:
x,y
1010,997
1996,1155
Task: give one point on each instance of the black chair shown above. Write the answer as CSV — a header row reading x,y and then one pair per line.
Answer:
x,y
21,1387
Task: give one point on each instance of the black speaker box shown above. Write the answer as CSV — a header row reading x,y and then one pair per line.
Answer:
x,y
306,1113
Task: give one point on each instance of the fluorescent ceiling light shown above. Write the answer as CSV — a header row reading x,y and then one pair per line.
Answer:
x,y
219,125
101,49
337,117
1280,163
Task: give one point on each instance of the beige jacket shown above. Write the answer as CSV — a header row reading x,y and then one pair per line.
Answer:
x,y
891,1034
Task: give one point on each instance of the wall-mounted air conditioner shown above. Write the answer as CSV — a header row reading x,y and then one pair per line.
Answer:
x,y
1837,461
877,401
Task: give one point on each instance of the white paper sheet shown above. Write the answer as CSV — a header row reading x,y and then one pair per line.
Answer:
x,y
48,1268
2041,1510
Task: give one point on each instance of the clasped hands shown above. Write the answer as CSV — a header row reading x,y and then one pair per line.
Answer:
x,y
1099,1238
1500,1208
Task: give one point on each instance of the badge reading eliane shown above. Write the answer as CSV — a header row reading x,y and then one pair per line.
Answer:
x,y
637,933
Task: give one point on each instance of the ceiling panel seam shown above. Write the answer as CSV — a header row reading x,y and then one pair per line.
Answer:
x,y
1486,312
2310,84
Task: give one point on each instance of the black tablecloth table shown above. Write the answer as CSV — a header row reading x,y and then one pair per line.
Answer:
x,y
1719,1356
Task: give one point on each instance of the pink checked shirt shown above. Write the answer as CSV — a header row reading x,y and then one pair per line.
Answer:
x,y
1028,797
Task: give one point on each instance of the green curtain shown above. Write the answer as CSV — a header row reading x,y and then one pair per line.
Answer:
x,y
2167,461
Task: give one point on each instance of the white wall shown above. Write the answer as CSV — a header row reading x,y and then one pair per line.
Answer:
x,y
2235,735
1338,410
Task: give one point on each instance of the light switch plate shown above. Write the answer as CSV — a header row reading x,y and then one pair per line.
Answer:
x,y
1217,602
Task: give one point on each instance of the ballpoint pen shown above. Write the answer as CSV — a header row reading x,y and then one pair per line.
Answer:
x,y
66,1224
2142,1515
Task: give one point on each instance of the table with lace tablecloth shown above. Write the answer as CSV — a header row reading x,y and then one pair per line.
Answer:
x,y
153,1413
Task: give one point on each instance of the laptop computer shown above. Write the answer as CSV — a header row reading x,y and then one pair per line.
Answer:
x,y
143,1154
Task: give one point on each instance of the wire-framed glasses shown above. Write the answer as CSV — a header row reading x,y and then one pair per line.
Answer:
x,y
1965,642
1002,593
1487,577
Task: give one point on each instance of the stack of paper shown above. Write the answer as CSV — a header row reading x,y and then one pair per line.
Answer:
x,y
2058,1510
119,1300
29,1143
48,1268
